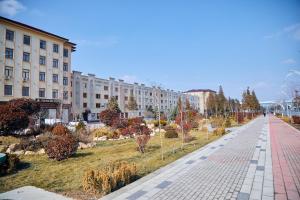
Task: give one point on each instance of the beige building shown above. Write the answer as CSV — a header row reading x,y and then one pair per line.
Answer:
x,y
92,94
202,95
35,64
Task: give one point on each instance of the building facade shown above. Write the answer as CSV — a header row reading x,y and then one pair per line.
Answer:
x,y
202,95
92,94
36,64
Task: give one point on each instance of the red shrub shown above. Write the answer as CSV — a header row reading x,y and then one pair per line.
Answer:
x,y
296,119
108,116
136,120
120,123
61,147
60,130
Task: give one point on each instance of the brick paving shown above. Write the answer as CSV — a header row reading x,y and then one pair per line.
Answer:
x,y
236,166
286,159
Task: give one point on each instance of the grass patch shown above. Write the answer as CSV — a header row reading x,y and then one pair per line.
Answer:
x,y
66,176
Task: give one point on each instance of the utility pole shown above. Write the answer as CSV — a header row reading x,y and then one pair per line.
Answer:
x,y
159,124
181,124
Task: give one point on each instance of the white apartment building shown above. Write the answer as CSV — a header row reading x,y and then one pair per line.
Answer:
x,y
202,95
35,64
92,93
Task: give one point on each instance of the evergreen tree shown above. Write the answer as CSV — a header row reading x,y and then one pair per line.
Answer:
x,y
211,104
221,101
132,105
113,105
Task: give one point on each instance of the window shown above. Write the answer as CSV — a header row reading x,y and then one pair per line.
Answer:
x,y
65,81
8,71
42,76
26,40
126,98
98,96
55,63
42,60
42,92
125,90
42,44
84,95
66,67
25,91
105,88
116,89
66,53
54,94
9,35
106,96
84,105
97,105
9,53
150,93
8,90
85,85
25,74
55,78
26,56
65,95
116,97
55,48
139,92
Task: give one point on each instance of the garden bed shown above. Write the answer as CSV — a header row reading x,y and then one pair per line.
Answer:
x,y
65,176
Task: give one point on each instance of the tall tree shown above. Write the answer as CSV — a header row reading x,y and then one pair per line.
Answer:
x,y
113,105
211,104
221,101
132,105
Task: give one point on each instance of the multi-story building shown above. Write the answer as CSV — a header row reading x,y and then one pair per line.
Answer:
x,y
202,95
35,64
92,93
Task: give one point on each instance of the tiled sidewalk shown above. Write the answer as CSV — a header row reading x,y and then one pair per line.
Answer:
x,y
286,159
237,165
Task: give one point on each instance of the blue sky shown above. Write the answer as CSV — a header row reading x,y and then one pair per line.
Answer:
x,y
180,45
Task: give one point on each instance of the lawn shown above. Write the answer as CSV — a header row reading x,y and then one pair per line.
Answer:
x,y
65,176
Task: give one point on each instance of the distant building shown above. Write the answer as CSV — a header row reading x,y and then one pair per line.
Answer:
x,y
92,94
35,64
202,95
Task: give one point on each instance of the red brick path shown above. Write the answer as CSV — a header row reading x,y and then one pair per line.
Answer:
x,y
285,144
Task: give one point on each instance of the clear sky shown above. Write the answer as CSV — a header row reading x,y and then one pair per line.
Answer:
x,y
180,45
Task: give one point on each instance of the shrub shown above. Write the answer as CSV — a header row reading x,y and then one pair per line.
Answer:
x,y
110,178
84,136
136,121
60,130
217,122
15,115
120,123
10,165
227,122
102,132
296,119
219,131
162,123
195,124
61,147
286,119
171,132
80,126
109,116
27,144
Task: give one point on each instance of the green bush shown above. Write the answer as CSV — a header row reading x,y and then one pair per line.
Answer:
x,y
110,178
171,132
10,165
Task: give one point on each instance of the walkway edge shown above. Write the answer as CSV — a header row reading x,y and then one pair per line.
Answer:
x,y
161,170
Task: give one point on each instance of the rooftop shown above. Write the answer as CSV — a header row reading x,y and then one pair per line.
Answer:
x,y
38,30
200,90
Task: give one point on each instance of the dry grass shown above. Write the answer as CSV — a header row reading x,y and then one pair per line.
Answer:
x,y
66,176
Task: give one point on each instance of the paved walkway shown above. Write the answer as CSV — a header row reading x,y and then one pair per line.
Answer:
x,y
237,166
286,159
